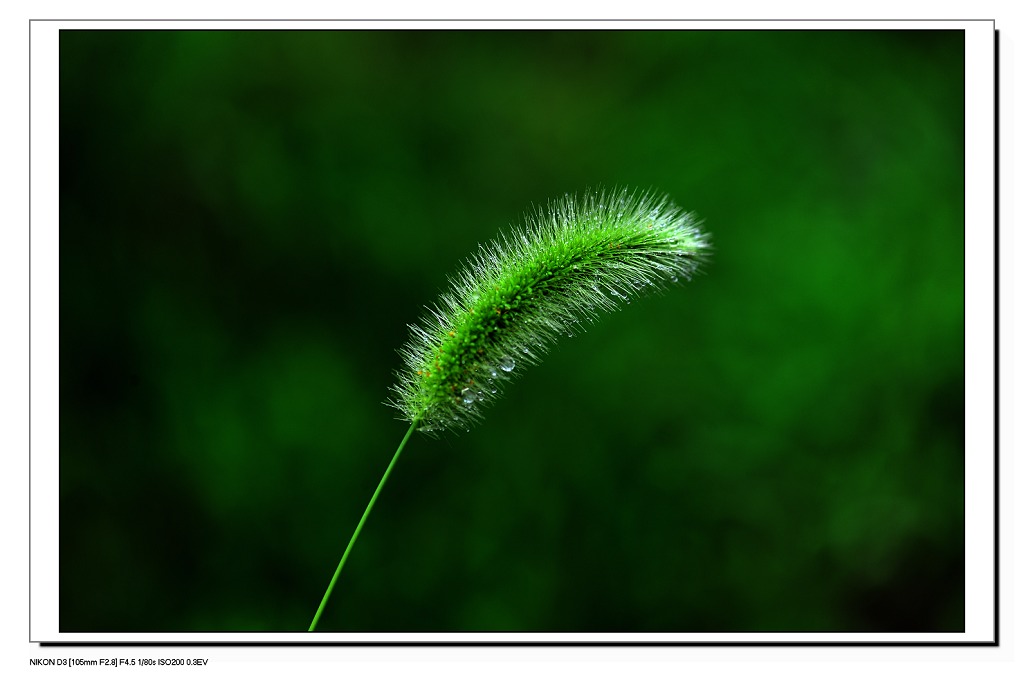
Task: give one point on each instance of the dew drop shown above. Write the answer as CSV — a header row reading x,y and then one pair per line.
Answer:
x,y
674,277
468,396
507,364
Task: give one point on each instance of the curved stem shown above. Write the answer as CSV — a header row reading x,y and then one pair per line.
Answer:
x,y
359,527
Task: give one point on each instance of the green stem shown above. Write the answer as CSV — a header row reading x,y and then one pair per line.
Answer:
x,y
359,527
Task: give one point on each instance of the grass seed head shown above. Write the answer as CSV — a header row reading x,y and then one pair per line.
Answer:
x,y
517,294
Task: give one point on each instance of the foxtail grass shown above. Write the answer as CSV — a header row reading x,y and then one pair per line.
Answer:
x,y
518,294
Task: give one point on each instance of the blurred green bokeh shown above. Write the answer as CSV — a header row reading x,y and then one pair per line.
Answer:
x,y
250,219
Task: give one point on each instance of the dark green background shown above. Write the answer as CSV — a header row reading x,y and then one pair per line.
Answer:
x,y
249,220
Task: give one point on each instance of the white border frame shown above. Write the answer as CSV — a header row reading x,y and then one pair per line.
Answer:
x,y
979,344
